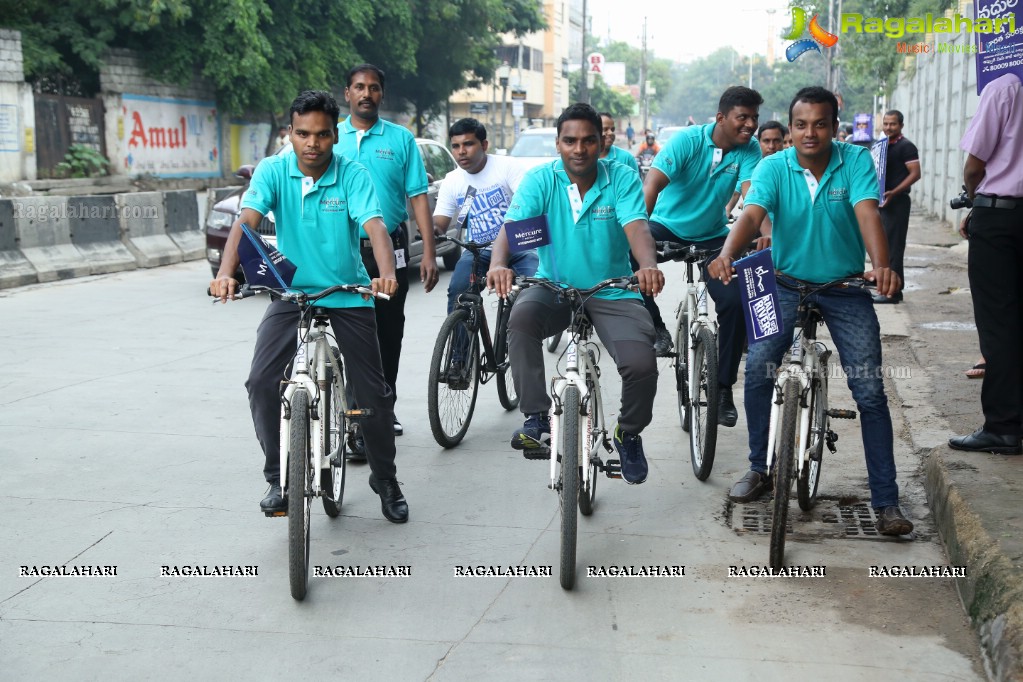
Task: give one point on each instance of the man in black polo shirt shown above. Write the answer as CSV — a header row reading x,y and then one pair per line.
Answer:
x,y
902,169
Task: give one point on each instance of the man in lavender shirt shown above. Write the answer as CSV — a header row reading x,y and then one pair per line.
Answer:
x,y
994,181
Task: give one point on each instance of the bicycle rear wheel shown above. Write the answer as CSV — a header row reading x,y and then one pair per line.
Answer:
x,y
454,379
505,385
810,471
332,416
592,432
569,491
299,495
703,406
784,465
682,369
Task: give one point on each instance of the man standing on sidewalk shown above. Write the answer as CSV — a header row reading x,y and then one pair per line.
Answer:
x,y
902,169
994,181
390,153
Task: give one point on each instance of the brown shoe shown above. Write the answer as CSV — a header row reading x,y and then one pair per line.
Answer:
x,y
750,487
890,521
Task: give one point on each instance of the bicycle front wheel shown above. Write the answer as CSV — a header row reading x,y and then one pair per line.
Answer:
x,y
505,385
299,495
703,405
682,369
784,455
332,416
810,470
454,379
569,490
592,433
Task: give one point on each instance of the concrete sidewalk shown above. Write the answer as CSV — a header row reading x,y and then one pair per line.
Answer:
x,y
974,497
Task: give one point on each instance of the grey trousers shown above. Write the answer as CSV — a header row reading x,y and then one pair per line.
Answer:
x,y
355,330
625,328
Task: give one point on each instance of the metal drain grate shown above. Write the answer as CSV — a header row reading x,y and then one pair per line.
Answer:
x,y
828,518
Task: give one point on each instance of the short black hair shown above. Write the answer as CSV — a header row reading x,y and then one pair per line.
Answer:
x,y
815,94
739,96
315,100
772,125
468,126
896,113
602,114
360,68
581,111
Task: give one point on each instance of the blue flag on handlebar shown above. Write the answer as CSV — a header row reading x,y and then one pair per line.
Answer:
x,y
262,263
759,296
528,233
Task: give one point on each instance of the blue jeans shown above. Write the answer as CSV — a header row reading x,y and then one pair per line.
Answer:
x,y
523,263
849,314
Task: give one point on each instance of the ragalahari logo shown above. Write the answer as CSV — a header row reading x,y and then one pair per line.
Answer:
x,y
818,36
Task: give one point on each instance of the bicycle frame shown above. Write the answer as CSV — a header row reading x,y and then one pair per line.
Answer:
x,y
581,374
694,304
309,377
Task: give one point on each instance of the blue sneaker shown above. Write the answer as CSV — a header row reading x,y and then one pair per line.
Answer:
x,y
630,449
534,434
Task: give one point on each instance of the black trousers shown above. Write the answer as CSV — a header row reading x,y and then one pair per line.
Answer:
x,y
996,283
390,315
276,341
895,218
727,305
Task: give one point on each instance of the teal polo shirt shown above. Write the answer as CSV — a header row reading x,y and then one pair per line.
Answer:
x,y
392,157
692,205
318,222
618,154
816,236
593,247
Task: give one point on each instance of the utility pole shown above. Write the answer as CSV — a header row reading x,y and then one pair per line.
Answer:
x,y
642,80
584,94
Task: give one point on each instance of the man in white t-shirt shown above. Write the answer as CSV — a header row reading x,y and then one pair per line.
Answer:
x,y
494,179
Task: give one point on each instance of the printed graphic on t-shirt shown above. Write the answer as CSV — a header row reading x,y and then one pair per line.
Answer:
x,y
487,214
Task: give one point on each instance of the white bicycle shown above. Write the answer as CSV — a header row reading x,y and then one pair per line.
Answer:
x,y
577,420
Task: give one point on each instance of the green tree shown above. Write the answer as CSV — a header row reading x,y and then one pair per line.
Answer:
x,y
603,98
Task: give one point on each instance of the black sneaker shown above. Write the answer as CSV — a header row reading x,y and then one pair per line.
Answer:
x,y
662,342
630,450
890,521
457,377
398,428
356,447
727,414
535,434
274,500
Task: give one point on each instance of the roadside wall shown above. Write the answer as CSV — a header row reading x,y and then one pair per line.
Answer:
x,y
938,97
17,113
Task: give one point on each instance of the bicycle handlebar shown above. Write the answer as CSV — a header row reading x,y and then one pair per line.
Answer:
x,y
673,251
809,288
301,297
470,245
626,283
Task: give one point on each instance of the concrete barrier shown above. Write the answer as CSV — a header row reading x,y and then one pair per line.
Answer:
x,y
15,271
44,237
143,229
96,232
183,225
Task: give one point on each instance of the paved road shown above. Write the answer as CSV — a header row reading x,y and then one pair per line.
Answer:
x,y
126,441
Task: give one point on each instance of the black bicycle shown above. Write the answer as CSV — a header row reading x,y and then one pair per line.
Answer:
x,y
466,355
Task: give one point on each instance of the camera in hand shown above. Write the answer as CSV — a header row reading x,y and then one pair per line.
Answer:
x,y
961,201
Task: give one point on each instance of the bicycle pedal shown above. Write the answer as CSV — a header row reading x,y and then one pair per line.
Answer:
x,y
541,453
612,468
842,414
359,413
275,513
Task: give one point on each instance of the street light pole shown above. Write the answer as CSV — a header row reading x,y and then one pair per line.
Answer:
x,y
503,74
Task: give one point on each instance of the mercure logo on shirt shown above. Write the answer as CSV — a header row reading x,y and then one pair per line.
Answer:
x,y
385,154
838,194
332,205
604,213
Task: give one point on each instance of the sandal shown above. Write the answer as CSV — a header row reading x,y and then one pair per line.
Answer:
x,y
977,371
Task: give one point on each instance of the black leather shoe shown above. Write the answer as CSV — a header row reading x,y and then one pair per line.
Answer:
x,y
878,298
356,448
982,440
398,428
727,414
663,343
890,521
274,500
392,502
750,487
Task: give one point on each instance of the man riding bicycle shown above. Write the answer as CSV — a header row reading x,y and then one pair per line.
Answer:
x,y
824,197
320,201
595,214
